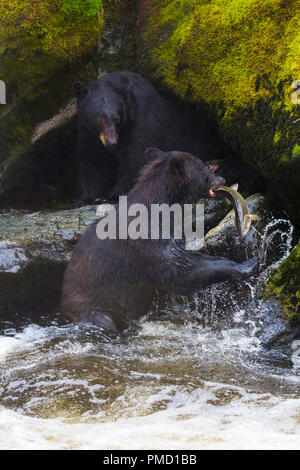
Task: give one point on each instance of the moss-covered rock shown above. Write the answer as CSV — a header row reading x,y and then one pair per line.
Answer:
x,y
240,59
45,45
40,37
284,285
117,45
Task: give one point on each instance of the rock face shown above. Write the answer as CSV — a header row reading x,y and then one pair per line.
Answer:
x,y
34,250
44,46
239,59
284,285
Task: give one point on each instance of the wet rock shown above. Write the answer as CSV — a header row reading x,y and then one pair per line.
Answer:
x,y
34,250
214,212
12,258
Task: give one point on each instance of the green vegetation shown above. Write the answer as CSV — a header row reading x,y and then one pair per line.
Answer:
x,y
239,58
40,37
225,51
45,45
84,9
296,150
285,285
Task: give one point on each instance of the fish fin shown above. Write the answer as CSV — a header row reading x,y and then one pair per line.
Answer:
x,y
254,217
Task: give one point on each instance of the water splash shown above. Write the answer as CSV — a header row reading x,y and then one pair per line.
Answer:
x,y
219,305
274,234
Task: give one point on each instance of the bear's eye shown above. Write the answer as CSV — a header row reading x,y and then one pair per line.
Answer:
x,y
116,118
102,120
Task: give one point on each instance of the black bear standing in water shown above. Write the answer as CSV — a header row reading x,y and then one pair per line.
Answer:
x,y
112,281
119,117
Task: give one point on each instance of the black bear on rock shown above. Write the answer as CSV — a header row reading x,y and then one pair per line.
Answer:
x,y
119,117
112,281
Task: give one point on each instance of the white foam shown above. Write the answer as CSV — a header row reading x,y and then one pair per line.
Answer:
x,y
31,335
190,422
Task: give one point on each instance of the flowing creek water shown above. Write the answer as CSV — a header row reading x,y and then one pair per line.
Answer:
x,y
196,376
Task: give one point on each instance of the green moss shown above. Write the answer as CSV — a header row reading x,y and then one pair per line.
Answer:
x,y
296,150
46,45
221,50
284,284
277,136
84,9
239,58
38,38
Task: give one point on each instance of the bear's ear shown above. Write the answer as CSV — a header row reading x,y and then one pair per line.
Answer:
x,y
152,154
80,89
177,166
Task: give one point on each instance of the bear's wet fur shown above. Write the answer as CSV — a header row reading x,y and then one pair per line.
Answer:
x,y
119,117
112,281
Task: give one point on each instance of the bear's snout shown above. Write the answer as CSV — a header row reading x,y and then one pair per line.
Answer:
x,y
109,138
217,182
